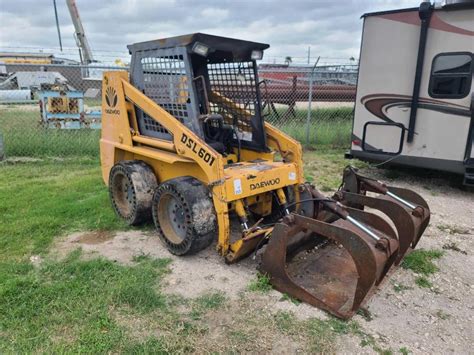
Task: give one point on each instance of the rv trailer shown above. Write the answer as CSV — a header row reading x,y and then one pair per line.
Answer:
x,y
414,102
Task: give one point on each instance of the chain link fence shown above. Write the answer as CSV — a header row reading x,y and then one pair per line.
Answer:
x,y
55,110
312,104
51,110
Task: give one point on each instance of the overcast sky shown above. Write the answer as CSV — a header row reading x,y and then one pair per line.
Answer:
x,y
331,28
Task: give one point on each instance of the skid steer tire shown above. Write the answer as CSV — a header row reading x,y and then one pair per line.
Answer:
x,y
131,187
184,215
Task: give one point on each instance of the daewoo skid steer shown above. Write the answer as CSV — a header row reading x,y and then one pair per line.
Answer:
x,y
184,142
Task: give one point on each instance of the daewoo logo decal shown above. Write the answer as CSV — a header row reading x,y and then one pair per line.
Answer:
x,y
111,99
261,185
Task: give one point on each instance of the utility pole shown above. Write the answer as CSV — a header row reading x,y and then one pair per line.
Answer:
x,y
309,54
80,35
57,25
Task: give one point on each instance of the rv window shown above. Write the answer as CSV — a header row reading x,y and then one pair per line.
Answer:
x,y
451,75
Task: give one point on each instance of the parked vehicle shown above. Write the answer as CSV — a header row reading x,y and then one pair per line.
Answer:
x,y
414,103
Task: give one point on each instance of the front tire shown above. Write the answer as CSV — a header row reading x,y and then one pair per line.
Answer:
x,y
184,215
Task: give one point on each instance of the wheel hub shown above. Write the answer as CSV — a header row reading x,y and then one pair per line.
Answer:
x,y
172,218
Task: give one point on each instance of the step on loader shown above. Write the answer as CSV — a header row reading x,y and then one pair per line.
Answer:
x,y
185,143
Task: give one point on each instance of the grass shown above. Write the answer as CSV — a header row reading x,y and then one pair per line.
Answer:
x,y
423,282
324,167
65,305
207,302
24,136
442,315
46,199
421,261
286,297
404,351
400,288
261,283
328,126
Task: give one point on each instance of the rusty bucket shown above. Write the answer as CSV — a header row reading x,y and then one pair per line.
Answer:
x,y
335,259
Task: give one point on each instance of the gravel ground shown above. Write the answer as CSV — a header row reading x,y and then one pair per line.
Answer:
x,y
421,320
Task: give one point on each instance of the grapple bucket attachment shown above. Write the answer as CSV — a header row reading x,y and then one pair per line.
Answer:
x,y
407,210
336,259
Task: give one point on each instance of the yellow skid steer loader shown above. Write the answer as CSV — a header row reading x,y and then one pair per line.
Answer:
x,y
184,142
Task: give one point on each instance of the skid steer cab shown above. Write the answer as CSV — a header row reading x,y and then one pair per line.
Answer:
x,y
184,143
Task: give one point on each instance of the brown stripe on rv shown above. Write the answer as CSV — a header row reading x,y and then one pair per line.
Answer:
x,y
378,105
436,22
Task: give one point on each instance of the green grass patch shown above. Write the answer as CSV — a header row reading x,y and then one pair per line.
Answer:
x,y
401,287
45,199
261,283
421,261
442,315
423,282
324,167
64,306
293,300
328,126
205,303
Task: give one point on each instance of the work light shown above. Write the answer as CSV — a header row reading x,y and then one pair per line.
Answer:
x,y
200,49
256,55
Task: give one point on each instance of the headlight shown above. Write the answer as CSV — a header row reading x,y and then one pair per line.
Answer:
x,y
200,49
256,55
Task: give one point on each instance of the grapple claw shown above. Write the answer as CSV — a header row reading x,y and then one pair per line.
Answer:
x,y
336,259
408,211
332,264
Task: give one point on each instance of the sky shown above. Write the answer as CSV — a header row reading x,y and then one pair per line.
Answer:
x,y
331,28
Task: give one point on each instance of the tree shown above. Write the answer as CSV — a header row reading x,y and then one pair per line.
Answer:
x,y
288,60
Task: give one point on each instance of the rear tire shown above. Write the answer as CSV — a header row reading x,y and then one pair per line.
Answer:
x,y
184,215
131,187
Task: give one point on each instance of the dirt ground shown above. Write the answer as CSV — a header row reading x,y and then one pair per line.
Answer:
x,y
402,315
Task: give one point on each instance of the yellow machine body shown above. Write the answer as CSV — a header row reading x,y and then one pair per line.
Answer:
x,y
250,182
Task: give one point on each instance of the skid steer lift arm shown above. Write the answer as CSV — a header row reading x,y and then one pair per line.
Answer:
x,y
184,144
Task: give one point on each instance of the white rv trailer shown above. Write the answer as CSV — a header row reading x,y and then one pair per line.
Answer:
x,y
414,103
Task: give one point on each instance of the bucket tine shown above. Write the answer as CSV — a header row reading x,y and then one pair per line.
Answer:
x,y
380,224
399,216
424,212
413,204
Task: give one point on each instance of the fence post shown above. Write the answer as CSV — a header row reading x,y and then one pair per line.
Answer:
x,y
310,100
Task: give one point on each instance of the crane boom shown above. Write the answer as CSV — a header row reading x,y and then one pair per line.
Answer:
x,y
80,35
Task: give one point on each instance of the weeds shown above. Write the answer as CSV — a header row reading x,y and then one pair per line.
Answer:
x,y
453,246
64,306
366,314
452,229
206,302
260,284
42,200
286,321
423,282
293,300
401,287
421,261
442,315
404,351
